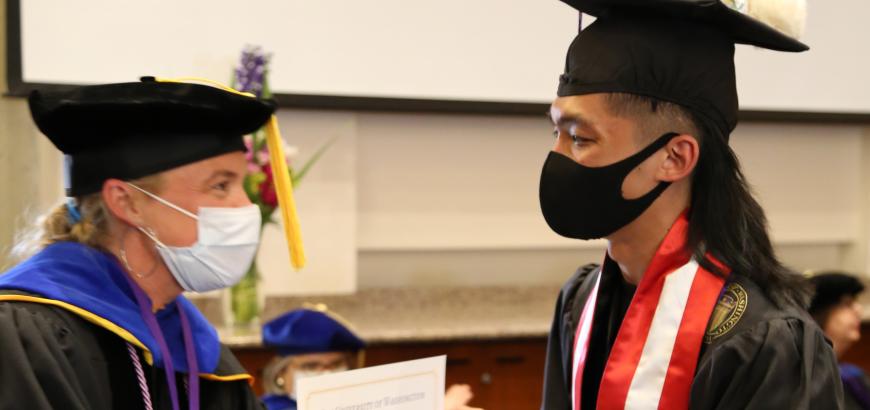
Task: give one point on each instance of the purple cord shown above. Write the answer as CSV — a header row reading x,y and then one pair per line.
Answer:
x,y
192,364
151,321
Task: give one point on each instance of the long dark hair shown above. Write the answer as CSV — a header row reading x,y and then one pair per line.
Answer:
x,y
727,223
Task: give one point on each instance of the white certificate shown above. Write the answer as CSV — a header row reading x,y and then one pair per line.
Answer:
x,y
412,385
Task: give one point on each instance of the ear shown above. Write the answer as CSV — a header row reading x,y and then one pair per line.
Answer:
x,y
682,157
122,202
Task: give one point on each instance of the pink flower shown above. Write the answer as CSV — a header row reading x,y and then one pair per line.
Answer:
x,y
263,156
253,166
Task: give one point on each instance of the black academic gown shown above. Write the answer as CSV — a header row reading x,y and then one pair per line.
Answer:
x,y
769,358
51,358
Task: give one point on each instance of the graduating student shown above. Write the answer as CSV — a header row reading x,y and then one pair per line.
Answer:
x,y
690,307
95,319
836,308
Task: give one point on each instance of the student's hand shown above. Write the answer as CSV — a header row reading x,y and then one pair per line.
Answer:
x,y
457,398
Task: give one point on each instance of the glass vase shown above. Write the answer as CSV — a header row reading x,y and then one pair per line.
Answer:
x,y
244,300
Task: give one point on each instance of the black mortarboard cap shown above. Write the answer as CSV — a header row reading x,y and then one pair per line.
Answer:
x,y
131,130
680,51
831,287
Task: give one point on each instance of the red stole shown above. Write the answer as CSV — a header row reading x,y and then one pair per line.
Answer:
x,y
652,362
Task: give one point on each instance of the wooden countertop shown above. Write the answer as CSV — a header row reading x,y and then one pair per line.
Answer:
x,y
395,315
383,316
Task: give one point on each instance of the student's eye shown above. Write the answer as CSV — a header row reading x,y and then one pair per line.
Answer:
x,y
579,140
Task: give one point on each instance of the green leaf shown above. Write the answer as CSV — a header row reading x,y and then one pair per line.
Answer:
x,y
251,184
267,91
266,213
259,140
297,176
251,189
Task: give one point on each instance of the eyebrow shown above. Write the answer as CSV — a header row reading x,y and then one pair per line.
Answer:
x,y
222,173
568,118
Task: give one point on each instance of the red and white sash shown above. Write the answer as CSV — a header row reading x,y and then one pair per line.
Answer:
x,y
652,362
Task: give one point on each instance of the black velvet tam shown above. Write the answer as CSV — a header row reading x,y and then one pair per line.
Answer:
x,y
131,130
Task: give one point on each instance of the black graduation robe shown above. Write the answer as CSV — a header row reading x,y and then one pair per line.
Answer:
x,y
754,356
51,358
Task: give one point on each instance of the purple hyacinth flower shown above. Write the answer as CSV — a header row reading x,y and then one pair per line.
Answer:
x,y
251,72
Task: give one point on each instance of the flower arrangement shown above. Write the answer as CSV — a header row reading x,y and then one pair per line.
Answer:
x,y
251,75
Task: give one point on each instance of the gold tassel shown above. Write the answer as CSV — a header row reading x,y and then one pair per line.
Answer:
x,y
284,189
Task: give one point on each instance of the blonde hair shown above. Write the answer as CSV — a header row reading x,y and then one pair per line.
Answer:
x,y
92,229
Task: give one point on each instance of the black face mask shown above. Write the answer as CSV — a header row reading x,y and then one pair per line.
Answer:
x,y
587,203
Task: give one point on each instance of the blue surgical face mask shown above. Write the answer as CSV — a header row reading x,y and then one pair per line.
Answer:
x,y
226,245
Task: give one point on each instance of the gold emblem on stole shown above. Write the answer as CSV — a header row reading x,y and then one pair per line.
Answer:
x,y
727,312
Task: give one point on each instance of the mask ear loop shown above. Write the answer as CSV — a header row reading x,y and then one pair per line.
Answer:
x,y
150,232
164,202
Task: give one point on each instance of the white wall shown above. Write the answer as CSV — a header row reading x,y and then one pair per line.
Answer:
x,y
326,202
453,199
491,50
29,169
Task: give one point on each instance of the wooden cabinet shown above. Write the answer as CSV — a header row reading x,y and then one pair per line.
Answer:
x,y
254,360
859,353
504,374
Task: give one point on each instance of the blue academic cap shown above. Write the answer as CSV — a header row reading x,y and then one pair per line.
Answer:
x,y
310,330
